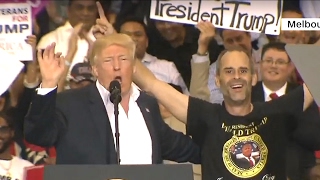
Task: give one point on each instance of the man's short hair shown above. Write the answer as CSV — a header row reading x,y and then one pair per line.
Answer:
x,y
280,46
293,9
140,21
113,39
220,31
239,49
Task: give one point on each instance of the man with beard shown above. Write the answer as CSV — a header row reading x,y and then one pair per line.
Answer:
x,y
216,128
11,167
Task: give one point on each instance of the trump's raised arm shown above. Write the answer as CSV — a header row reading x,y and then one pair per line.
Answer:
x,y
174,101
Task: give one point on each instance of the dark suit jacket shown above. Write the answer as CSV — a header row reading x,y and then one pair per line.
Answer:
x,y
77,124
304,137
244,163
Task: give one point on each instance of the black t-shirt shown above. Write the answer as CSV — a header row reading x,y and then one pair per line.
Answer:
x,y
243,147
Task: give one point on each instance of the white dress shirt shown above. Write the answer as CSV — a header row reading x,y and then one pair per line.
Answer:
x,y
135,139
267,91
61,37
165,71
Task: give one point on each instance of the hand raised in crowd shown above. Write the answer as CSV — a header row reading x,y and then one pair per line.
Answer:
x,y
103,27
52,66
73,40
32,73
32,41
207,33
90,42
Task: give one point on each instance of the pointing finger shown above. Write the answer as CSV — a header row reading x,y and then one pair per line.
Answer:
x,y
100,11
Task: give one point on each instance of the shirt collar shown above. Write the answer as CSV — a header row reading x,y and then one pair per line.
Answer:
x,y
279,92
148,58
104,93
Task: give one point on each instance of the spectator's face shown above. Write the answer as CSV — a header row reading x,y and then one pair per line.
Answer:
x,y
247,150
275,66
235,79
6,135
233,38
170,31
292,37
115,62
83,11
74,85
138,35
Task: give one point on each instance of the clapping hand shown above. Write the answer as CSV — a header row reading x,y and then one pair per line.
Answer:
x,y
103,27
52,66
73,40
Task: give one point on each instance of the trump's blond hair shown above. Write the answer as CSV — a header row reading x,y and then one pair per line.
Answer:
x,y
122,40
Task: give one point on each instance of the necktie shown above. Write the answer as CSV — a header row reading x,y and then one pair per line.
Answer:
x,y
251,162
273,96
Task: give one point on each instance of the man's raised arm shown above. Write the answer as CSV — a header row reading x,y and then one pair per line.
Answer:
x,y
174,101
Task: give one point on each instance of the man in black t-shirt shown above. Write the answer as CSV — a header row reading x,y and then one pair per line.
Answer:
x,y
225,131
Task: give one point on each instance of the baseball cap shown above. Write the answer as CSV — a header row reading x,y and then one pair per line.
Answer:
x,y
81,72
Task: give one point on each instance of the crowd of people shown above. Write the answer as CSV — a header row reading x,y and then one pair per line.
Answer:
x,y
230,102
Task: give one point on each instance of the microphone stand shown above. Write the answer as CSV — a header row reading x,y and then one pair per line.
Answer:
x,y
117,134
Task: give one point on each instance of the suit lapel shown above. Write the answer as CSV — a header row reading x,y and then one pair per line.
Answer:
x,y
258,93
290,87
146,111
100,119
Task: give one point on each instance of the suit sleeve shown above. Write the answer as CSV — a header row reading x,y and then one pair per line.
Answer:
x,y
290,103
22,109
199,77
175,146
307,131
44,122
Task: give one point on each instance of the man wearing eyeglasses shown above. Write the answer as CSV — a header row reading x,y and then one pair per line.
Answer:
x,y
276,68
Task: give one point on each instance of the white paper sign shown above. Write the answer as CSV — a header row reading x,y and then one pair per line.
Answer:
x,y
9,70
246,15
15,26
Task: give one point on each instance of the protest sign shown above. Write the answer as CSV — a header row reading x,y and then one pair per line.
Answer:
x,y
246,15
9,70
36,5
15,26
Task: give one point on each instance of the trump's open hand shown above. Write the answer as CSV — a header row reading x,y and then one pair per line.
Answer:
x,y
52,66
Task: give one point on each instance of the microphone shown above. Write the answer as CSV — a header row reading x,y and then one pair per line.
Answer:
x,y
115,98
115,92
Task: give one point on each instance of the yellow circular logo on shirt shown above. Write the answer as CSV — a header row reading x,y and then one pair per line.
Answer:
x,y
245,156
